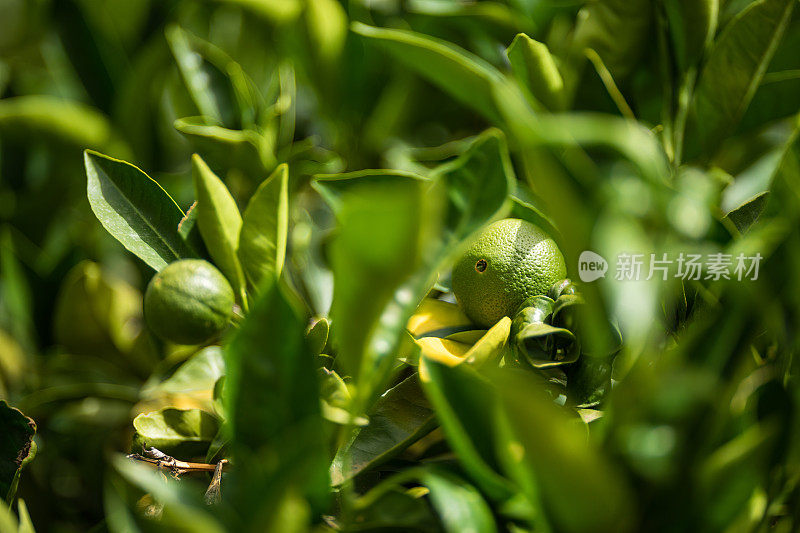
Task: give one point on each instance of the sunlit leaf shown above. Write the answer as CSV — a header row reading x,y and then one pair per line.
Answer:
x,y
220,221
135,210
262,241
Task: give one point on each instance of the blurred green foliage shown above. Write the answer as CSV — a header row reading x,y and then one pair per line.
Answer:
x,y
344,153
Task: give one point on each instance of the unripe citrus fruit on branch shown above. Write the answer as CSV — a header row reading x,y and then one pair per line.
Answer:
x,y
510,261
188,302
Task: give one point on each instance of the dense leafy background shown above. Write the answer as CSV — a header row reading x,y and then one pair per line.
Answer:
x,y
638,125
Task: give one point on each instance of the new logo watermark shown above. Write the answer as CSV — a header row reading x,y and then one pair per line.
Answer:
x,y
686,266
591,266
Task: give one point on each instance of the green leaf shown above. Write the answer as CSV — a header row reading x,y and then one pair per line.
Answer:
x,y
400,417
777,97
527,211
745,198
537,71
183,509
16,448
272,400
96,312
198,374
378,246
220,221
327,26
457,503
734,69
464,405
190,231
265,225
477,185
692,24
177,432
618,30
48,117
203,68
333,186
317,335
25,523
224,148
466,77
278,11
549,456
135,210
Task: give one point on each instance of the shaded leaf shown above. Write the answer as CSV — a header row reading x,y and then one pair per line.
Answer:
x,y
399,418
272,401
333,186
135,210
457,503
550,458
464,405
207,81
692,25
467,77
16,448
617,30
734,69
48,117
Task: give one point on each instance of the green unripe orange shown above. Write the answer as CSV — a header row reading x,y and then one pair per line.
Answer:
x,y
510,261
188,302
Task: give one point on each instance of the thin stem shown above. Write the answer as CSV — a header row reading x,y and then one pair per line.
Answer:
x,y
177,467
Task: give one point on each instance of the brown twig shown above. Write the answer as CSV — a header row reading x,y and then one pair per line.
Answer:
x,y
175,467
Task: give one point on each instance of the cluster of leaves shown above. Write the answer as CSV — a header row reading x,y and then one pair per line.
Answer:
x,y
351,395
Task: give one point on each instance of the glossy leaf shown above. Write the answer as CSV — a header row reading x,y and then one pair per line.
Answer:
x,y
220,221
735,67
16,448
265,226
135,210
399,418
223,148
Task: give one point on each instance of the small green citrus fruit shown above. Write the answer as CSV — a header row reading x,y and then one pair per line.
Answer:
x,y
188,302
510,261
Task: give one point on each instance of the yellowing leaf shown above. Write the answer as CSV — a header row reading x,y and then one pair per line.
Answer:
x,y
444,351
436,316
490,345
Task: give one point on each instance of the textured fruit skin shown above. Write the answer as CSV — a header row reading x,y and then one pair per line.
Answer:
x,y
188,302
521,261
